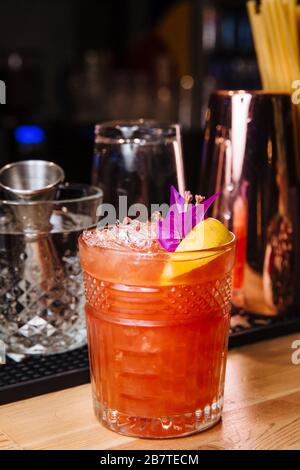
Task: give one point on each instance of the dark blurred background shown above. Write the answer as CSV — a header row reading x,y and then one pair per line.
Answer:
x,y
70,63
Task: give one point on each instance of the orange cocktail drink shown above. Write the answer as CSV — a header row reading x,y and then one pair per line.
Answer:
x,y
158,328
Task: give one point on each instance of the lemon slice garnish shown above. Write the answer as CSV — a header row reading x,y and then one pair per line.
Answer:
x,y
208,234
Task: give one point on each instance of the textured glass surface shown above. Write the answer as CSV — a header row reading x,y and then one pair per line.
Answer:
x,y
41,285
158,355
41,312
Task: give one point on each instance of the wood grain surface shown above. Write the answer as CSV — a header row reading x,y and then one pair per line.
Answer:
x,y
262,411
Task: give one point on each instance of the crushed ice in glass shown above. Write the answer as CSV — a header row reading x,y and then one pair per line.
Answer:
x,y
131,235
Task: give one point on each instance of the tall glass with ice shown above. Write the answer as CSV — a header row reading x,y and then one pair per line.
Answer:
x,y
158,327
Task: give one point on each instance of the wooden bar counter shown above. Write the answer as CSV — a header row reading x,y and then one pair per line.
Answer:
x,y
262,411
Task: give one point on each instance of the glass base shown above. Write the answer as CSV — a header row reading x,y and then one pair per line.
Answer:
x,y
159,428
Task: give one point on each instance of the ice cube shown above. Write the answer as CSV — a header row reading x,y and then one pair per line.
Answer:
x,y
133,235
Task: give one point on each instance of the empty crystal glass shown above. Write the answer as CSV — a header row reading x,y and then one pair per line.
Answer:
x,y
41,291
138,159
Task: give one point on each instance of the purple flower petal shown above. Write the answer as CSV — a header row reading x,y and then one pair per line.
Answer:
x,y
175,197
208,202
169,233
178,222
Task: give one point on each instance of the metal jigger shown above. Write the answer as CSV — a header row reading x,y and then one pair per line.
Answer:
x,y
27,182
31,185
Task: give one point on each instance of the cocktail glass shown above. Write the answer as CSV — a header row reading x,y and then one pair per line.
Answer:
x,y
157,346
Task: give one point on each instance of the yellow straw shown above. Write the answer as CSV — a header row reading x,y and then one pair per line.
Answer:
x,y
289,49
272,17
292,15
276,79
276,38
256,29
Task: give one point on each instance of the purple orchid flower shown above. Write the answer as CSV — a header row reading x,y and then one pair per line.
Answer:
x,y
181,220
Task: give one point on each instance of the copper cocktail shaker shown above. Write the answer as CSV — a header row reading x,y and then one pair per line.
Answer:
x,y
249,156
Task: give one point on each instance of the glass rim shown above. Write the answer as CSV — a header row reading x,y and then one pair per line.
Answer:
x,y
91,197
159,130
180,255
